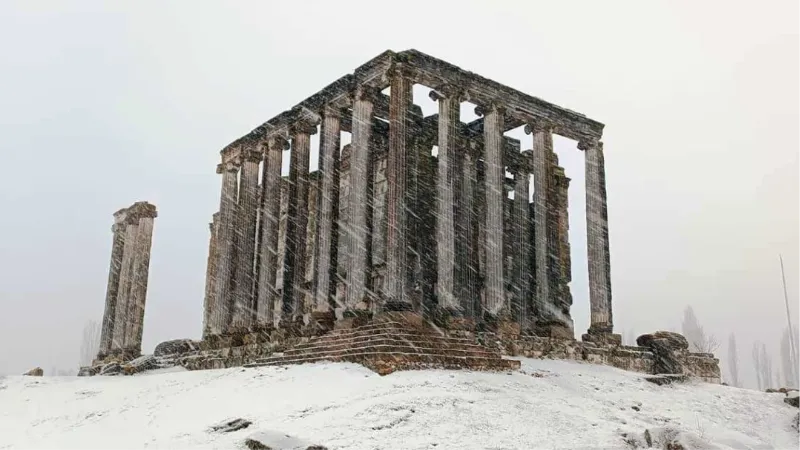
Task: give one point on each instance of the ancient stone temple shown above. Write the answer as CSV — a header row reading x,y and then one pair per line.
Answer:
x,y
123,318
384,225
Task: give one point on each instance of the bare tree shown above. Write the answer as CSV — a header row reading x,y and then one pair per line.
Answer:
x,y
757,363
699,341
733,361
90,343
766,367
788,363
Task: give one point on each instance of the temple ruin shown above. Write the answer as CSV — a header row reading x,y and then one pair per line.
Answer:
x,y
415,245
126,293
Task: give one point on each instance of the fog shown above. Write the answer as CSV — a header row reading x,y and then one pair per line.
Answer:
x,y
107,103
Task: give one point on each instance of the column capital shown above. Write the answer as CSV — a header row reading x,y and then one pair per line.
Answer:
x,y
483,109
449,90
303,126
366,93
590,143
229,166
277,144
251,154
400,69
330,110
538,126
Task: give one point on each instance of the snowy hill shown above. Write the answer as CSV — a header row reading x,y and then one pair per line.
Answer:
x,y
547,404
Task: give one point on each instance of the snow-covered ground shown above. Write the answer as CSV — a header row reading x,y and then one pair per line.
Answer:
x,y
548,404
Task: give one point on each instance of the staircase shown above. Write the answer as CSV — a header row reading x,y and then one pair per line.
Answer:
x,y
389,346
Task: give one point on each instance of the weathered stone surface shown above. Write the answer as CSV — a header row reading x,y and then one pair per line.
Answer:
x,y
792,399
175,346
35,372
88,371
230,425
665,379
272,440
672,340
140,364
112,368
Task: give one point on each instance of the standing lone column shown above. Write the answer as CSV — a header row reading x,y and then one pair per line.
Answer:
x,y
396,292
146,213
294,266
246,228
270,226
357,233
327,224
449,105
227,207
597,239
494,303
109,315
125,279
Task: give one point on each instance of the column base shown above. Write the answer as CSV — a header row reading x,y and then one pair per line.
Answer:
x,y
409,318
602,338
552,330
352,318
397,305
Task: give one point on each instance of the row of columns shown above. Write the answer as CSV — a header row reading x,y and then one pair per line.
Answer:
x,y
126,292
243,289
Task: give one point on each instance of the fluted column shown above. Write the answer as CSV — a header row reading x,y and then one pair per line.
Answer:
x,y
396,294
542,180
141,270
246,243
494,301
125,281
449,113
522,238
209,304
109,314
227,209
466,225
294,265
270,227
357,233
597,239
328,216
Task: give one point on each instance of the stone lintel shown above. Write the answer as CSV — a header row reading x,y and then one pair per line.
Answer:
x,y
133,213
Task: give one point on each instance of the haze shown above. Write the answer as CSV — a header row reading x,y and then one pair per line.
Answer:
x,y
106,103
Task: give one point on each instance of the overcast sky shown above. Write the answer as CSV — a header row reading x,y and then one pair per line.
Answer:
x,y
107,103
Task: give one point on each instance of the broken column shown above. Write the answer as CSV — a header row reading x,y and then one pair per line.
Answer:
x,y
209,303
125,281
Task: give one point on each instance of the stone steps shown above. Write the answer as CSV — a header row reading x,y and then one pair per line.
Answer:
x,y
388,346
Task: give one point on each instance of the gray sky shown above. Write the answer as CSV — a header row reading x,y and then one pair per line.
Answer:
x,y
107,103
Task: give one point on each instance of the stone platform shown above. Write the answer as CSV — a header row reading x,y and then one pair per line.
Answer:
x,y
388,346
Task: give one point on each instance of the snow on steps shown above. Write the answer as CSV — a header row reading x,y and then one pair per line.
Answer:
x,y
389,346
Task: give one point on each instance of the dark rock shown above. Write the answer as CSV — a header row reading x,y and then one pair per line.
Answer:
x,y
796,422
271,440
636,408
674,341
35,372
112,368
175,346
792,401
140,364
88,371
229,425
665,379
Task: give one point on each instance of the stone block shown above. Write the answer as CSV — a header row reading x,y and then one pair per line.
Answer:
x,y
175,346
672,340
35,372
602,338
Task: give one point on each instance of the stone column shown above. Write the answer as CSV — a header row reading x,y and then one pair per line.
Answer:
x,y
466,225
125,280
494,302
396,294
522,244
270,228
112,289
209,305
597,240
327,224
141,269
246,244
227,207
542,180
449,123
357,235
294,264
